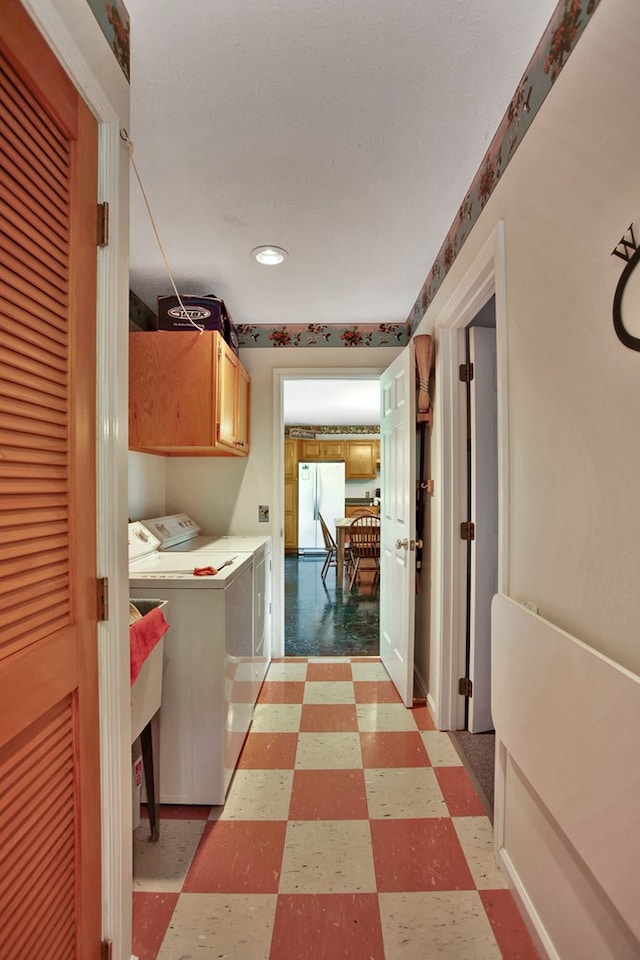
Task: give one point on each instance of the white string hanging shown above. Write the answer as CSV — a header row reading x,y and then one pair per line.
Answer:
x,y
125,136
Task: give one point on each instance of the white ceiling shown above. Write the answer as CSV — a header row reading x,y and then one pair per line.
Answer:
x,y
332,402
346,131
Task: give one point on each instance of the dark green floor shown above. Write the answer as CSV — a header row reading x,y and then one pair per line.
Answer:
x,y
322,620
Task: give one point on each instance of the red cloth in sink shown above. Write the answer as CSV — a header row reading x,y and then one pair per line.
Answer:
x,y
143,636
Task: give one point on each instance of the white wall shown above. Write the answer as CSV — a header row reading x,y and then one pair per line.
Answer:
x,y
362,488
147,485
566,198
223,494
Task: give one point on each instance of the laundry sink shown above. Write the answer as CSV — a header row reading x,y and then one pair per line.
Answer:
x,y
146,691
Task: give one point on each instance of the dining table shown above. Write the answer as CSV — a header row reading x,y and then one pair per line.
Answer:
x,y
342,525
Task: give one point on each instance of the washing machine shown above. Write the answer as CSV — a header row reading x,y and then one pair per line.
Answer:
x,y
209,684
179,533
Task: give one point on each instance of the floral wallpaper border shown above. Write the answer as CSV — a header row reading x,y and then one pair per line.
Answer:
x,y
115,24
324,335
311,432
565,28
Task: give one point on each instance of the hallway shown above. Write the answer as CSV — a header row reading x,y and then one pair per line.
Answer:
x,y
350,832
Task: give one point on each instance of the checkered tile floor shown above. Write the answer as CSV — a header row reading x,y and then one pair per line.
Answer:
x,y
350,832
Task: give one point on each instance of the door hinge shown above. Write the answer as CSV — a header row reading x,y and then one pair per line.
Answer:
x,y
106,951
466,372
103,224
465,687
468,530
102,584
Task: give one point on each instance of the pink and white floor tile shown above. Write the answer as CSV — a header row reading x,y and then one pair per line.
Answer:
x,y
351,831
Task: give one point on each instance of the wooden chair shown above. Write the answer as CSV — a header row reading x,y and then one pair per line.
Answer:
x,y
331,559
364,541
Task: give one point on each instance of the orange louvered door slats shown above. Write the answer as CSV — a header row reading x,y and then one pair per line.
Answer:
x,y
49,751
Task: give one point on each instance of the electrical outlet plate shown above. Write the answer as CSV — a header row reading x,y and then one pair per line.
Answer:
x,y
263,514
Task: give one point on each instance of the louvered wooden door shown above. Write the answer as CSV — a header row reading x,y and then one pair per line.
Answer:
x,y
49,755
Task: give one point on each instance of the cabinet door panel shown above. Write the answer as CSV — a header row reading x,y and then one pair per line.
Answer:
x,y
290,460
227,396
333,449
290,533
310,450
244,396
171,401
290,489
361,460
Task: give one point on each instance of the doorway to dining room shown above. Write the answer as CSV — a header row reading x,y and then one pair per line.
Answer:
x,y
331,440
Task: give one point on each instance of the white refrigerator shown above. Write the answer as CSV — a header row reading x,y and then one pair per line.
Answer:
x,y
320,491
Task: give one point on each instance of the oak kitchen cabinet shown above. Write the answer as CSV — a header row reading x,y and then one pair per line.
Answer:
x,y
361,463
188,395
322,450
290,495
361,459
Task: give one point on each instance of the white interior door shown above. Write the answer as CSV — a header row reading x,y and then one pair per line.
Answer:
x,y
398,522
484,513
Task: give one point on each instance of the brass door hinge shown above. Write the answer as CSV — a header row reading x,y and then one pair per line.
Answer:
x,y
102,585
106,951
103,224
466,372
468,530
465,687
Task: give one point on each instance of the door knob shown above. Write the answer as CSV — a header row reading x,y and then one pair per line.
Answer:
x,y
415,544
402,544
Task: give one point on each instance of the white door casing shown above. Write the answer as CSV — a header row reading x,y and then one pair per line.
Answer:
x,y
398,521
485,276
280,374
484,514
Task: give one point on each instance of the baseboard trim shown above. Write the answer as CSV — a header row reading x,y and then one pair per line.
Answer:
x,y
530,915
432,706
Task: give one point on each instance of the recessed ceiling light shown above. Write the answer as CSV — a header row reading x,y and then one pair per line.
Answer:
x,y
269,255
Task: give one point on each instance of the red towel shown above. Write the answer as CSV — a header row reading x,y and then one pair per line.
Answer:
x,y
204,572
143,636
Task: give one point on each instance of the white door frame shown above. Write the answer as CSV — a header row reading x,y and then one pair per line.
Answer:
x,y
485,277
111,478
279,377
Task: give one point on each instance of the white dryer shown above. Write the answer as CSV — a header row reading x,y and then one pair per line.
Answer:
x,y
179,533
209,684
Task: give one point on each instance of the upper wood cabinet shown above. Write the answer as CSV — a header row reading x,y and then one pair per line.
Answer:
x,y
188,395
361,459
322,450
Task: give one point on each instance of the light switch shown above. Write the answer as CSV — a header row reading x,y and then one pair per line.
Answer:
x,y
263,513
